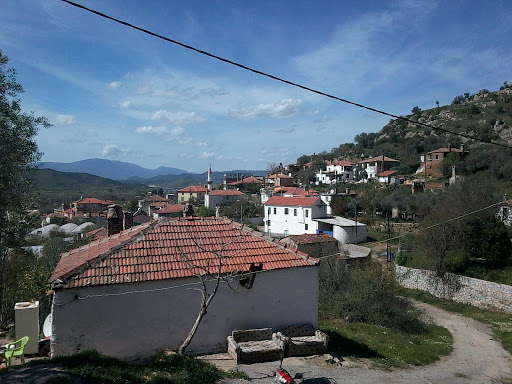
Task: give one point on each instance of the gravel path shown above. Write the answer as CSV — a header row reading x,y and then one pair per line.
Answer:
x,y
476,359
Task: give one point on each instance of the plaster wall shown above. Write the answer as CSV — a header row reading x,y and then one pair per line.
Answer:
x,y
135,325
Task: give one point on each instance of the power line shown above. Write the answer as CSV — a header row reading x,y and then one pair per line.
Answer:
x,y
279,78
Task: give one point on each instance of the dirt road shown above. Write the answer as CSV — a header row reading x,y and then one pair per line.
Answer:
x,y
476,358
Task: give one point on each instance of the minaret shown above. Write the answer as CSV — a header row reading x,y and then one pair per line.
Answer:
x,y
210,180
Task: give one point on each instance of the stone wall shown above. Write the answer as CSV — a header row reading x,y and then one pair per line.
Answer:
x,y
462,289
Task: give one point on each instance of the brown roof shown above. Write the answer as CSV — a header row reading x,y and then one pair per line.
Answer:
x,y
228,192
295,191
444,150
93,200
292,201
172,208
158,204
386,173
312,239
155,198
377,159
170,249
193,188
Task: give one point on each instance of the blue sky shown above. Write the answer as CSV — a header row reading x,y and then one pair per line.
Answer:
x,y
116,93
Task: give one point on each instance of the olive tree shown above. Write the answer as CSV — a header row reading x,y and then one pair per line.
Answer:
x,y
19,153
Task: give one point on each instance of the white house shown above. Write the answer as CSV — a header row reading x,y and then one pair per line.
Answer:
x,y
293,215
375,165
344,230
221,197
129,294
336,172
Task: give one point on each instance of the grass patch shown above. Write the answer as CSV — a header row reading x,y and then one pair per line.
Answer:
x,y
93,368
500,323
385,347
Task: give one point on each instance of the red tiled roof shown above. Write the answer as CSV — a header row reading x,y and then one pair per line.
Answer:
x,y
386,173
279,176
377,159
172,208
173,249
228,192
158,204
251,180
344,163
312,238
93,200
292,201
295,191
193,188
444,150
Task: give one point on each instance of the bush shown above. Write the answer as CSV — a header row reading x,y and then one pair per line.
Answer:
x,y
366,294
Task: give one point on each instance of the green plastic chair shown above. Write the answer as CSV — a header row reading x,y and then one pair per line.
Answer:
x,y
16,349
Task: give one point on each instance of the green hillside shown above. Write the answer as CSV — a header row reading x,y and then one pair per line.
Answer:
x,y
485,115
52,188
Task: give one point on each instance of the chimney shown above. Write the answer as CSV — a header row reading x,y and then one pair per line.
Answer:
x,y
117,220
127,220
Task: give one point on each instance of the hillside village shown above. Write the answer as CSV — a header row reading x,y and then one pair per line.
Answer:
x,y
260,268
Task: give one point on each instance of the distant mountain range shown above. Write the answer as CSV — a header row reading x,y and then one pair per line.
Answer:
x,y
111,169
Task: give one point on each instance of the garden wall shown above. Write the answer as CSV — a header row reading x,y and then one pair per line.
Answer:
x,y
461,289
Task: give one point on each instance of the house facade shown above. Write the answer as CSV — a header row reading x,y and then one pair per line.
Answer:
x,y
196,192
336,172
431,162
128,295
90,206
222,197
375,165
286,216
278,180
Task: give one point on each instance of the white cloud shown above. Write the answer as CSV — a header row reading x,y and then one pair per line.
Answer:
x,y
283,109
114,84
180,118
207,155
148,129
112,150
202,144
126,104
65,119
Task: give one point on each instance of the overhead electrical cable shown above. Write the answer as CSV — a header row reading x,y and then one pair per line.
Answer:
x,y
281,79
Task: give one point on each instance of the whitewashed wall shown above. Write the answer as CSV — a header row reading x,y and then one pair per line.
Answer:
x,y
132,326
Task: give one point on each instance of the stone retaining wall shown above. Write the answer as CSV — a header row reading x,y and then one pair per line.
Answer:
x,y
462,289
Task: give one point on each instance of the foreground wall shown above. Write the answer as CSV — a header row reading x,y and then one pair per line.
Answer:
x,y
135,325
462,289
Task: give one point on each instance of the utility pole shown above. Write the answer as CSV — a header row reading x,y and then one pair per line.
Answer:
x,y
355,218
388,244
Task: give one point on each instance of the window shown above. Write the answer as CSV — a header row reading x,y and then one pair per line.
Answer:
x,y
306,227
286,211
268,223
294,211
285,233
268,210
307,213
275,210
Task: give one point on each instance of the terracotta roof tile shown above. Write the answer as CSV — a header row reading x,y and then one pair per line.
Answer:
x,y
386,173
445,150
172,208
377,159
193,188
292,201
93,200
228,192
173,249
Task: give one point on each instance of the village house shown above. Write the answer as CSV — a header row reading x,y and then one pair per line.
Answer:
x,y
196,192
89,207
144,204
267,193
505,213
375,165
313,245
431,162
336,172
285,216
389,177
250,183
218,198
277,180
168,210
129,294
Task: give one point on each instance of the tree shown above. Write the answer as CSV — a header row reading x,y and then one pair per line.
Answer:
x,y
416,110
19,154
